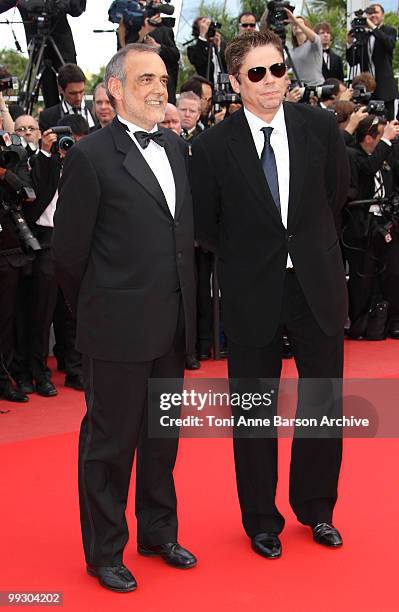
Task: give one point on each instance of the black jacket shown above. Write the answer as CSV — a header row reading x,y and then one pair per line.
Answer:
x,y
236,216
121,259
61,30
49,117
336,69
385,41
198,55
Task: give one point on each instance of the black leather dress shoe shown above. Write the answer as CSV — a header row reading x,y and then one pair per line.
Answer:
x,y
172,553
46,388
74,382
115,578
192,363
204,355
326,534
393,330
13,395
267,544
26,386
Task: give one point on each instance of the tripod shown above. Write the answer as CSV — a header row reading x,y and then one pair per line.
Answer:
x,y
37,64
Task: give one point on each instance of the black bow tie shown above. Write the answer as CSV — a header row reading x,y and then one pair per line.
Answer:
x,y
143,138
326,51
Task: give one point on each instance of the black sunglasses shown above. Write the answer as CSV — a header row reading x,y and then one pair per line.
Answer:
x,y
257,74
248,25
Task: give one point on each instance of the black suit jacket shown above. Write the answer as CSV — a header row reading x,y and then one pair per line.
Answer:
x,y
198,55
61,30
49,117
336,69
122,261
384,45
236,217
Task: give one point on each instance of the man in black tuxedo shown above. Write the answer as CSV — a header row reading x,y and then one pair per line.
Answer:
x,y
61,32
206,54
268,204
123,249
71,82
332,63
375,56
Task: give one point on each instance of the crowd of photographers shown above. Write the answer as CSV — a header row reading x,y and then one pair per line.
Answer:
x,y
32,150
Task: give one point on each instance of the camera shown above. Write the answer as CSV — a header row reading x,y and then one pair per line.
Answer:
x,y
376,107
51,7
277,16
134,14
9,83
321,92
360,95
223,94
65,139
14,192
213,26
359,28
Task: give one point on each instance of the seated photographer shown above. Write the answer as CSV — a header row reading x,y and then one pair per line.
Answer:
x,y
60,31
206,54
348,119
370,240
15,255
373,52
71,83
307,52
332,63
189,108
38,297
102,107
27,128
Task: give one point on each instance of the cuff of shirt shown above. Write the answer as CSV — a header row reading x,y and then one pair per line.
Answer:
x,y
388,142
46,153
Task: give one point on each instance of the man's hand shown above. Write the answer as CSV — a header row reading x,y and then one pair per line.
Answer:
x,y
149,40
145,29
48,139
391,130
346,95
355,119
370,24
220,115
217,40
293,95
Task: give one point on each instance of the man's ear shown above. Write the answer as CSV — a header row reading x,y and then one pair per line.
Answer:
x,y
115,88
234,82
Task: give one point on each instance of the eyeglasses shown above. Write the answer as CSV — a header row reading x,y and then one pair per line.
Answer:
x,y
257,74
247,25
26,128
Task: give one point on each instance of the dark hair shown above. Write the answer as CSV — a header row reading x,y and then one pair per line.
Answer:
x,y
244,14
323,25
4,74
77,123
239,47
343,110
70,73
195,32
336,83
366,128
195,84
374,5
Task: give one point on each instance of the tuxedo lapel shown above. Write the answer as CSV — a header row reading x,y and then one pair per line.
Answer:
x,y
136,165
243,148
298,147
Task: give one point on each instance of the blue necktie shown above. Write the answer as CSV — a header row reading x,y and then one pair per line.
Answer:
x,y
270,167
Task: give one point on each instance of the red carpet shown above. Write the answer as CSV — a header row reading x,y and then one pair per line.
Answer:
x,y
40,538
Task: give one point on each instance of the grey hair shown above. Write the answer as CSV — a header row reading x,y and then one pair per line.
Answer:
x,y
116,65
188,95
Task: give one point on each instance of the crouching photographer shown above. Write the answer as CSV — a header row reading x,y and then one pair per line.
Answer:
x,y
371,231
17,248
38,294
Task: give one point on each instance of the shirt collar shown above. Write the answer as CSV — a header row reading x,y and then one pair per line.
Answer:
x,y
69,107
135,128
256,123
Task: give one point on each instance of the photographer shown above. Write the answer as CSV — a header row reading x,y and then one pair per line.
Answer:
x,y
30,363
332,63
307,52
13,259
373,52
371,245
207,52
60,30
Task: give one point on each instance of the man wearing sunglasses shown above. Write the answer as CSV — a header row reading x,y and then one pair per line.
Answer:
x,y
246,21
268,184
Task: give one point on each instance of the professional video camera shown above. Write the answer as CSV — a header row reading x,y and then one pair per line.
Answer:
x,y
223,94
65,140
9,83
15,193
43,12
213,26
383,215
134,14
359,28
277,17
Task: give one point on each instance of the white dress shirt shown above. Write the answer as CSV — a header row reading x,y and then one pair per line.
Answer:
x,y
158,161
279,143
67,109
